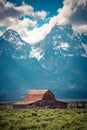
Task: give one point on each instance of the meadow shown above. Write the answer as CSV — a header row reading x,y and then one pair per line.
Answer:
x,y
43,119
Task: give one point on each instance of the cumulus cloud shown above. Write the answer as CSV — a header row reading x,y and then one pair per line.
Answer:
x,y
23,24
75,13
40,15
8,9
10,14
38,34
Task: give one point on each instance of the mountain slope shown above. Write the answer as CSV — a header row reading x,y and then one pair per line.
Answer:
x,y
64,55
18,72
13,45
57,63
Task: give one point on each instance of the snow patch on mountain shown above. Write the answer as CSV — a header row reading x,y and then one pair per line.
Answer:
x,y
36,53
19,57
72,86
70,55
11,36
85,48
14,45
62,45
57,36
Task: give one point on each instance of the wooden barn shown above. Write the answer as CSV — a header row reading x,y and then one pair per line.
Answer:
x,y
40,98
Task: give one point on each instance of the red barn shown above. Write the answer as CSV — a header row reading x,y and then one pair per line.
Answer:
x,y
40,98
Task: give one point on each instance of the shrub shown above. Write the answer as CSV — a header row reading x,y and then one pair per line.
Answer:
x,y
43,119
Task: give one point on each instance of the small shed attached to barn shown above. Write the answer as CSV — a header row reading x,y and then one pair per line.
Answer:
x,y
40,98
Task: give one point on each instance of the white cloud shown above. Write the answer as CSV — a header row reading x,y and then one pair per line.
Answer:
x,y
38,34
10,14
72,12
40,15
21,24
26,9
75,13
80,28
27,22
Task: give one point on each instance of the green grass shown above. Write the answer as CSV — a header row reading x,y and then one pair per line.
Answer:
x,y
43,119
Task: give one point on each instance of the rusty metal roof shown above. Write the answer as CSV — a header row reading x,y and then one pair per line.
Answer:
x,y
37,91
32,96
35,95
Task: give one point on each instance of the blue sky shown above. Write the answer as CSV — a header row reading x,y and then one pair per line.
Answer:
x,y
47,5
32,18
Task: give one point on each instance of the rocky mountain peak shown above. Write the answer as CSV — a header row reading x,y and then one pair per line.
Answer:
x,y
11,36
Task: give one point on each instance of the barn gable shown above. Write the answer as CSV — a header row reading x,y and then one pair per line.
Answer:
x,y
48,96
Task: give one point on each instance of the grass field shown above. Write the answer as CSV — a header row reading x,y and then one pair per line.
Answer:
x,y
43,119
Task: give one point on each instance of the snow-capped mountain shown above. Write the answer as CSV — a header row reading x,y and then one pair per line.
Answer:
x,y
12,44
59,63
64,54
62,41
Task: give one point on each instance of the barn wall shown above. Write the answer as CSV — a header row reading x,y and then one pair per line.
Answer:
x,y
48,104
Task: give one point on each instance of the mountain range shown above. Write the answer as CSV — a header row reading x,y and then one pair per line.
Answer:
x,y
58,63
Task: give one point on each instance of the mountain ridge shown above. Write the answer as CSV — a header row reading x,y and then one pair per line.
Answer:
x,y
57,63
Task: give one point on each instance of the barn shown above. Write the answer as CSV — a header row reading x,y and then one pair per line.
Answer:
x,y
40,98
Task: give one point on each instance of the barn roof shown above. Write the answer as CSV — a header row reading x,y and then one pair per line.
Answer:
x,y
36,95
38,91
33,96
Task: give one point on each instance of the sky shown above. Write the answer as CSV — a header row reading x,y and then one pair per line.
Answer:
x,y
34,19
